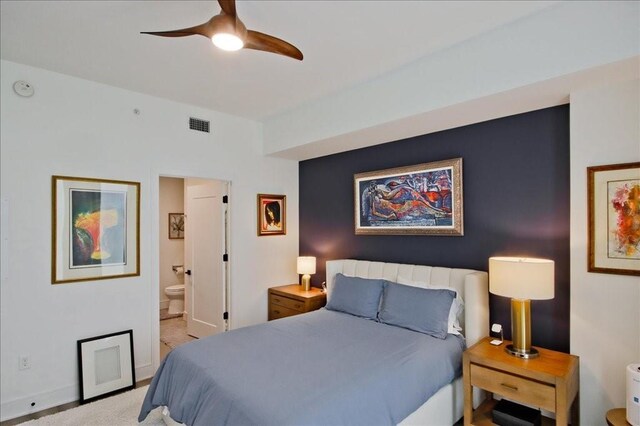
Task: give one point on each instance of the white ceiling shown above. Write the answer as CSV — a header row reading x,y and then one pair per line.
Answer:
x,y
345,43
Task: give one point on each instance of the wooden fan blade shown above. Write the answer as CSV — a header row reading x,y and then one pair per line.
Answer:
x,y
228,7
259,41
202,29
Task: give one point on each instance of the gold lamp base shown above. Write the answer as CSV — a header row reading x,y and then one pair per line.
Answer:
x,y
306,282
531,353
521,330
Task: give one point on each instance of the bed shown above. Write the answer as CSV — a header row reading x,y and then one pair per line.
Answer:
x,y
333,366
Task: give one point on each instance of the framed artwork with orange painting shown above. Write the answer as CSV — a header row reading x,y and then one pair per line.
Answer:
x,y
614,218
95,229
272,214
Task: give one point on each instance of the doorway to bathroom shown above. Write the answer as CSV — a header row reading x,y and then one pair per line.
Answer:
x,y
193,259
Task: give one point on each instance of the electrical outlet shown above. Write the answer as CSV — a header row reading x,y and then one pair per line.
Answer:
x,y
25,362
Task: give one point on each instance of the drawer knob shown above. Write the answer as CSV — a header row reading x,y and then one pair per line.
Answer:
x,y
513,388
298,305
276,312
275,299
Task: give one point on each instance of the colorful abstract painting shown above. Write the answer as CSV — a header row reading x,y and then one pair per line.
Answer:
x,y
421,199
98,228
95,229
624,219
614,218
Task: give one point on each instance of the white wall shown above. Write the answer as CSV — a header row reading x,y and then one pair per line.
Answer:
x,y
171,197
605,308
80,128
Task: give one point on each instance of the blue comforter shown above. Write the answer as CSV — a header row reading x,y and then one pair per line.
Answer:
x,y
320,368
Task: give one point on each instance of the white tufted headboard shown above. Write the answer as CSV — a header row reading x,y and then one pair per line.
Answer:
x,y
472,285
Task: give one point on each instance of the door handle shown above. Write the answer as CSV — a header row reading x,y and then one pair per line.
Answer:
x,y
188,272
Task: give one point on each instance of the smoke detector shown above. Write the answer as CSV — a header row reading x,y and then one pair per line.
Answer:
x,y
22,88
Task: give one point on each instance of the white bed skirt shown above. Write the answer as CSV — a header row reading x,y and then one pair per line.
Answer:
x,y
440,410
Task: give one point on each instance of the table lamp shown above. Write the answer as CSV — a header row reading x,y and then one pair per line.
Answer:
x,y
523,280
306,266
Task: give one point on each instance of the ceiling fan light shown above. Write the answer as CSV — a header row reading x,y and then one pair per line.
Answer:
x,y
227,41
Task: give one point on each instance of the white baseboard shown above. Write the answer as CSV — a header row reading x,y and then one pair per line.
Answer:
x,y
144,372
22,406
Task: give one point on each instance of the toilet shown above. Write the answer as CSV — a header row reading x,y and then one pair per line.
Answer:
x,y
175,293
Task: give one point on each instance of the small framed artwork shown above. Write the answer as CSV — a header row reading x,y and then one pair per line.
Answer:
x,y
614,218
425,199
176,226
106,365
95,229
272,214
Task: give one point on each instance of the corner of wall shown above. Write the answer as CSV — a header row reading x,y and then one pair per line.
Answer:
x,y
605,308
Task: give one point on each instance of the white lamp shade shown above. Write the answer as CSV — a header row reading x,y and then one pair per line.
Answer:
x,y
306,265
521,278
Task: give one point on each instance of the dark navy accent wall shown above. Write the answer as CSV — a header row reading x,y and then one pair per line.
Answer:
x,y
516,203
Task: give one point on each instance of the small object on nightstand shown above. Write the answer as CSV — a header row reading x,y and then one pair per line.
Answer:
x,y
507,413
497,328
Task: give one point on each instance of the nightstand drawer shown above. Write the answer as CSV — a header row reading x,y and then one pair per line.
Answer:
x,y
276,312
286,302
514,387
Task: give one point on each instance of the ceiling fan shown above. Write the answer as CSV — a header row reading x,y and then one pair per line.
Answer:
x,y
227,32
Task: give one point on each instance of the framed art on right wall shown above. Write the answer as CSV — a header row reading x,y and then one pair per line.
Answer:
x,y
614,218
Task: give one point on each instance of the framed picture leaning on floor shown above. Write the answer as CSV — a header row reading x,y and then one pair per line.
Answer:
x,y
106,365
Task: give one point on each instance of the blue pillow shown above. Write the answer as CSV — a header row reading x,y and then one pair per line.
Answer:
x,y
418,309
356,296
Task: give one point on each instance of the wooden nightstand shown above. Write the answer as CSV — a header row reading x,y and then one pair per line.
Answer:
x,y
550,382
288,300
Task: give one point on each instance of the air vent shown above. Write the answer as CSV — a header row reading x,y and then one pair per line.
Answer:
x,y
199,125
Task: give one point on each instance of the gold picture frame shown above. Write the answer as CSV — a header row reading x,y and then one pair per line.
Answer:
x,y
424,199
272,214
95,229
613,214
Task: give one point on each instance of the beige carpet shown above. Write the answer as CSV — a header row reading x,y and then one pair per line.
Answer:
x,y
118,410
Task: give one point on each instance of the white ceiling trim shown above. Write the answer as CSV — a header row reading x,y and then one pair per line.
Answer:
x,y
530,64
536,96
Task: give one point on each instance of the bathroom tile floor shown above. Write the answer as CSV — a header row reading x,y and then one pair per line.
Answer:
x,y
164,314
173,332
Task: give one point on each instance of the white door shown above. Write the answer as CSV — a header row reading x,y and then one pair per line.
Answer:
x,y
205,284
